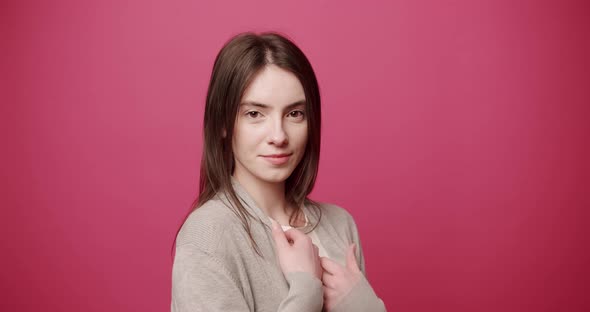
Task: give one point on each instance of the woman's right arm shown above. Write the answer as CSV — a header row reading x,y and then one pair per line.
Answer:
x,y
200,282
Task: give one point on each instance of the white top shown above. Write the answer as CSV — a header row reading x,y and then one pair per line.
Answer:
x,y
314,238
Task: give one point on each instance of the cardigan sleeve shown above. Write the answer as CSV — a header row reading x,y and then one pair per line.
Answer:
x,y
361,297
305,293
200,282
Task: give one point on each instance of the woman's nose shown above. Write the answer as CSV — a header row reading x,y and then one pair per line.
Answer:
x,y
278,136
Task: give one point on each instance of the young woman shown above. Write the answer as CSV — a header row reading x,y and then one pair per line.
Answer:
x,y
255,242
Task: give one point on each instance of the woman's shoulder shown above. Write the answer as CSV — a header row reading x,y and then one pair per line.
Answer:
x,y
336,214
337,220
207,226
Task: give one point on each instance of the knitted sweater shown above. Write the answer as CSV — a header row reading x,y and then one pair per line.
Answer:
x,y
216,269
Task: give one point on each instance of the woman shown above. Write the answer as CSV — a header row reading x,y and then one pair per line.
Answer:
x,y
255,242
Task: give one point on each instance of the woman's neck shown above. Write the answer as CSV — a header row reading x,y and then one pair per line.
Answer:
x,y
270,197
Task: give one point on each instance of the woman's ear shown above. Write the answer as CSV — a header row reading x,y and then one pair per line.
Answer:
x,y
223,133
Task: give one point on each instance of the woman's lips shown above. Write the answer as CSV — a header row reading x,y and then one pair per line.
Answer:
x,y
277,159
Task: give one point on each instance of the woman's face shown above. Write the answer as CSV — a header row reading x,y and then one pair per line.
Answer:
x,y
270,133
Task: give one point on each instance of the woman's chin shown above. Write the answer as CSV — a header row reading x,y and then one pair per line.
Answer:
x,y
275,177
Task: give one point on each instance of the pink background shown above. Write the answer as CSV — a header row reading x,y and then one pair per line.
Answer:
x,y
456,133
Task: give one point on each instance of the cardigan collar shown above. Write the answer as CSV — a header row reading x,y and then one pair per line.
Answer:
x,y
253,208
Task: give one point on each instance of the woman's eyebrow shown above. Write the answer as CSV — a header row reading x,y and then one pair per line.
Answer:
x,y
261,105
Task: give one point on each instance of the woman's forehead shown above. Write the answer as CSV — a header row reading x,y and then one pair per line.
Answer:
x,y
274,87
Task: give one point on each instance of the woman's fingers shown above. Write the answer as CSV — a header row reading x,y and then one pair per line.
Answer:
x,y
329,292
295,235
338,280
278,235
329,280
330,266
329,297
295,251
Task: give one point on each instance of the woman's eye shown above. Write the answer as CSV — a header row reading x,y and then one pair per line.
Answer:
x,y
253,114
296,114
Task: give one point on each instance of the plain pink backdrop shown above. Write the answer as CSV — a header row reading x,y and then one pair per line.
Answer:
x,y
455,132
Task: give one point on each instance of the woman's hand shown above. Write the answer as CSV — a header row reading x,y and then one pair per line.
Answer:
x,y
339,280
296,252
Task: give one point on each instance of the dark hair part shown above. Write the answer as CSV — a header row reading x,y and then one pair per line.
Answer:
x,y
237,63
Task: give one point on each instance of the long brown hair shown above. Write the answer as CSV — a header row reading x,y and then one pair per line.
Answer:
x,y
240,59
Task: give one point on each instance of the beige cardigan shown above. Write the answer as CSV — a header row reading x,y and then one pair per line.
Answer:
x,y
216,269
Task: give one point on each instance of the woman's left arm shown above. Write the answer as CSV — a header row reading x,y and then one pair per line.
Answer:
x,y
346,288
